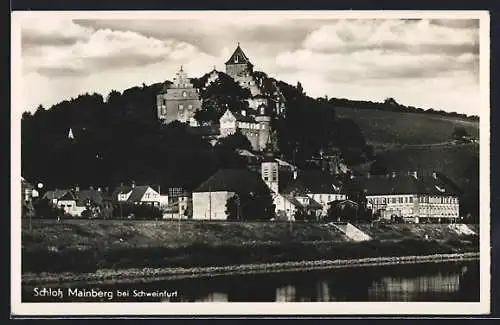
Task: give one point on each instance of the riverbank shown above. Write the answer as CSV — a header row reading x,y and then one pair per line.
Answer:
x,y
100,250
107,277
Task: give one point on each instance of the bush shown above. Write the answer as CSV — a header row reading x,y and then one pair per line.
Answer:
x,y
43,209
138,211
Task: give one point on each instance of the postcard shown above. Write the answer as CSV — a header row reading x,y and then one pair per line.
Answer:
x,y
250,163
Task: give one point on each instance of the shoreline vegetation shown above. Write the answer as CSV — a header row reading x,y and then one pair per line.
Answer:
x,y
106,251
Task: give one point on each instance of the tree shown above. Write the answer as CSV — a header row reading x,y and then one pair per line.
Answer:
x,y
26,115
232,208
251,206
235,141
220,95
40,109
300,214
299,88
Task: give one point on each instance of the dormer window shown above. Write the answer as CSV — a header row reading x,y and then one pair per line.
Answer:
x,y
184,94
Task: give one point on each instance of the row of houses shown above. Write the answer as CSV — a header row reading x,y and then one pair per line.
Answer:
x,y
410,197
97,201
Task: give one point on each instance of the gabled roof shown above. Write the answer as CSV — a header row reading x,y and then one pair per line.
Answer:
x,y
242,58
121,190
404,184
233,180
314,182
55,194
313,204
68,196
343,202
89,195
137,193
82,197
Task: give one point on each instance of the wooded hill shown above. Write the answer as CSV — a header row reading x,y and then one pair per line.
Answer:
x,y
119,139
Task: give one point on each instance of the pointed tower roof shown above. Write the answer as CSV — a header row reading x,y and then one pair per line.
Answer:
x,y
238,57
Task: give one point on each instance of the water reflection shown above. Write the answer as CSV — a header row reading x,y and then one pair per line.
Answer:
x,y
431,282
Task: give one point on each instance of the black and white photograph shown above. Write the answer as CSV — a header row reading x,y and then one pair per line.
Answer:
x,y
250,162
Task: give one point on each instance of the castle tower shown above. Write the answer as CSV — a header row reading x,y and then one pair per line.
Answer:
x,y
270,173
238,66
264,130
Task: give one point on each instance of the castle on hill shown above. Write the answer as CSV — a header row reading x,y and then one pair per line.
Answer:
x,y
181,100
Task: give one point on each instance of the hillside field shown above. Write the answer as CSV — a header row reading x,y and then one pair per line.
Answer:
x,y
460,163
386,129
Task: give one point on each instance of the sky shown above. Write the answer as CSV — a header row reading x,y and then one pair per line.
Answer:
x,y
428,63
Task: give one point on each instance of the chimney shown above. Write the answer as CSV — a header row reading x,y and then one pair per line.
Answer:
x,y
99,189
133,184
91,188
368,175
77,188
295,173
243,112
434,175
351,176
414,174
393,175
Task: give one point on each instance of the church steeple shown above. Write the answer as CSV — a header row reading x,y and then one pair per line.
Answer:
x,y
70,134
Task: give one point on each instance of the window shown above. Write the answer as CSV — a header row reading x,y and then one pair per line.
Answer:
x,y
164,110
236,59
411,199
184,94
393,200
400,200
190,107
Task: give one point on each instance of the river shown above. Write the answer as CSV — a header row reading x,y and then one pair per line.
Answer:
x,y
423,282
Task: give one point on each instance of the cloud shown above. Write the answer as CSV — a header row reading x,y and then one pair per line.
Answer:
x,y
40,32
347,36
96,50
212,34
384,49
409,60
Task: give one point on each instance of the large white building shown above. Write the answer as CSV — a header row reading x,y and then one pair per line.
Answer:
x,y
210,198
410,197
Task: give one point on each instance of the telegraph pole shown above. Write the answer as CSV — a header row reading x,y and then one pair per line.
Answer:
x,y
210,203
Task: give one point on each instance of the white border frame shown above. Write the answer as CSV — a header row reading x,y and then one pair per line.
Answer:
x,y
302,308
